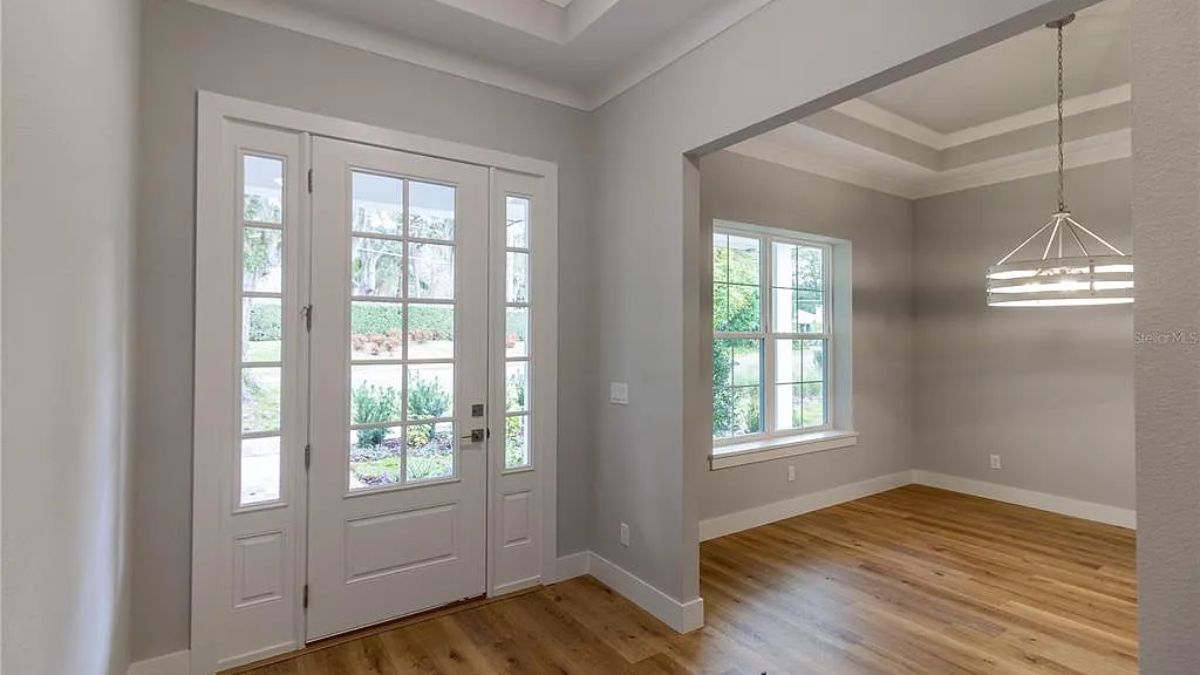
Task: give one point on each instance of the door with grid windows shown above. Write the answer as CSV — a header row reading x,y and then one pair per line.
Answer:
x,y
365,313
398,494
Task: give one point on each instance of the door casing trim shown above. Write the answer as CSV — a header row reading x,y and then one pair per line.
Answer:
x,y
211,110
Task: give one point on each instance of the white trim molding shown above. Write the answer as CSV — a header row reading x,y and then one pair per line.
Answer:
x,y
683,617
578,16
710,23
886,120
719,526
1096,149
168,664
767,449
1083,152
858,157
572,565
395,47
868,113
1101,513
845,172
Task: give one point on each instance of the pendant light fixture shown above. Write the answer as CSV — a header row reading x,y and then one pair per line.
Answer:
x,y
1068,272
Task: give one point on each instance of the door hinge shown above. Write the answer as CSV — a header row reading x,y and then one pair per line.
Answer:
x,y
310,181
307,311
307,456
305,596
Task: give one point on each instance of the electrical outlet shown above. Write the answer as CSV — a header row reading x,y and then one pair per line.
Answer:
x,y
995,461
618,393
625,534
791,472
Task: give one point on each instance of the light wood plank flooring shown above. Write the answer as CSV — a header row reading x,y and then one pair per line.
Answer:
x,y
915,580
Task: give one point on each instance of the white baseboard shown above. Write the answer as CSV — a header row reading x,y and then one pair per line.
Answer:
x,y
1067,506
683,617
571,566
178,663
719,526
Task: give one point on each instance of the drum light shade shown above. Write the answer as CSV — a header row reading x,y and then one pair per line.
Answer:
x,y
1073,275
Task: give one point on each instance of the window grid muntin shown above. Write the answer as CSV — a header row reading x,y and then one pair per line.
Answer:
x,y
527,305
766,333
276,496
405,300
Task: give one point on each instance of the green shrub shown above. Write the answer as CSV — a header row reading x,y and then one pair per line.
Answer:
x,y
427,399
265,322
381,318
372,404
514,441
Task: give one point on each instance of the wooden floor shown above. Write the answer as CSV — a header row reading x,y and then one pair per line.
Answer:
x,y
915,580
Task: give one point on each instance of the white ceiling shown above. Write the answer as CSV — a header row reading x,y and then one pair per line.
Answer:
x,y
1016,75
576,52
984,118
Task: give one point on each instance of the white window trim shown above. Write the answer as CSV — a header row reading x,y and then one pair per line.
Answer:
x,y
767,449
771,444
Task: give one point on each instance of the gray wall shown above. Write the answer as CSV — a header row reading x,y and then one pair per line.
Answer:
x,y
1166,228
629,296
880,228
780,61
70,74
187,48
1050,390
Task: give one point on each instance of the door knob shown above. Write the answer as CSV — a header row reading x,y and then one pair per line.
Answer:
x,y
476,436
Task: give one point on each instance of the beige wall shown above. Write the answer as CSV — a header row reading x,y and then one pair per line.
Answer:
x,y
1048,389
187,48
880,229
70,78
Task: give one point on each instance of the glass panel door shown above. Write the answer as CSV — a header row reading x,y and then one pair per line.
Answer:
x,y
398,488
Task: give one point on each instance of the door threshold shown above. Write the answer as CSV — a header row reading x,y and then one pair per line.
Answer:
x,y
411,619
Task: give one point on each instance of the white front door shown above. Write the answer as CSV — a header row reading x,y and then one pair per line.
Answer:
x,y
399,288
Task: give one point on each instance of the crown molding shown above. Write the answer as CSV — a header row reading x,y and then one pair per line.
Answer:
x,y
583,13
278,14
711,22
1031,118
1079,153
1041,161
775,153
579,15
544,20
869,113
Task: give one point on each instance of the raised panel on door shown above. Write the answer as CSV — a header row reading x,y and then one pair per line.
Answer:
x,y
397,486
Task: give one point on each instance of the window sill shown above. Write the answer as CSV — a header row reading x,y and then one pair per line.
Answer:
x,y
768,449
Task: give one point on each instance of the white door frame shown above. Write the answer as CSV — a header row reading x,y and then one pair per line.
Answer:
x,y
214,111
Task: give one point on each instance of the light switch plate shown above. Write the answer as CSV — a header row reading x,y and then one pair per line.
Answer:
x,y
618,393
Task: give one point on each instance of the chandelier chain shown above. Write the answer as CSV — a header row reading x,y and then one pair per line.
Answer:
x,y
1062,203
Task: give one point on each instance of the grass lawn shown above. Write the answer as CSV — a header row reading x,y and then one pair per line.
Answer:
x,y
265,350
